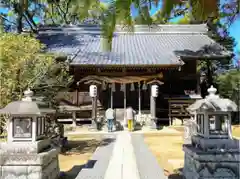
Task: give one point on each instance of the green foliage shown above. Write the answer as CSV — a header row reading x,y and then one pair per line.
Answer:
x,y
185,20
56,12
119,11
22,66
228,85
70,11
144,17
168,6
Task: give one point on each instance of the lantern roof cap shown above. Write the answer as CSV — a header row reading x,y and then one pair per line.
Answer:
x,y
213,102
25,107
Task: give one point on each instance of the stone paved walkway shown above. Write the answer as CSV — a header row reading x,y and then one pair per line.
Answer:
x,y
97,166
148,166
123,161
128,157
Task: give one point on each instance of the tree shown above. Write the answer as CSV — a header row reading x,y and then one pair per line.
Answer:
x,y
23,65
199,12
218,32
229,87
228,84
71,11
52,12
21,9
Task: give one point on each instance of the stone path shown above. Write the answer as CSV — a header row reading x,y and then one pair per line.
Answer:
x,y
97,166
123,162
128,157
148,166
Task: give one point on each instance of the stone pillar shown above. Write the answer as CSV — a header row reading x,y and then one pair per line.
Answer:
x,y
94,112
190,127
153,112
74,119
206,125
229,127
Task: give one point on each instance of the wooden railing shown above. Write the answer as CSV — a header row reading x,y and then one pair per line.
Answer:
x,y
178,108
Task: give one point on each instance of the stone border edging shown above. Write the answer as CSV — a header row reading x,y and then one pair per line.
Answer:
x,y
147,164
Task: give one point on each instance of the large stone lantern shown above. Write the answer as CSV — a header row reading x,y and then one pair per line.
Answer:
x,y
213,153
27,152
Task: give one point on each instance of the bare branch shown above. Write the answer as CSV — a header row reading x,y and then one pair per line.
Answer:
x,y
2,16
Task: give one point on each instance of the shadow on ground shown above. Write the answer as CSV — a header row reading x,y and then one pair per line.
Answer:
x,y
79,148
85,146
177,174
72,174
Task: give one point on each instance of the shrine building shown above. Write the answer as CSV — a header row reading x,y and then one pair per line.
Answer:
x,y
166,55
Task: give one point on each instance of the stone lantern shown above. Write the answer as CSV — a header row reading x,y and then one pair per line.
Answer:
x,y
213,153
27,152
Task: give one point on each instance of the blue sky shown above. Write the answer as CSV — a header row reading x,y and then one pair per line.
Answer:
x,y
234,29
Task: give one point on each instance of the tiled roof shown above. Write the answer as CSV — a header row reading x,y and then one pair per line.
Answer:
x,y
145,46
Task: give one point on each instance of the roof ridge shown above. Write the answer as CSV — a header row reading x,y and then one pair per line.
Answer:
x,y
168,28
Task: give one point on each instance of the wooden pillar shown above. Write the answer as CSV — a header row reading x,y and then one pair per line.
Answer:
x,y
139,99
125,104
169,112
111,104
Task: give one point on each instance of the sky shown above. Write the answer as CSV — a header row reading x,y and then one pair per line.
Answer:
x,y
234,30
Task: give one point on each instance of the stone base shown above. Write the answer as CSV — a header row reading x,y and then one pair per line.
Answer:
x,y
153,124
210,165
29,166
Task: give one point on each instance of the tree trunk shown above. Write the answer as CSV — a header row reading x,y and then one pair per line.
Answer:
x,y
209,73
18,9
19,23
1,24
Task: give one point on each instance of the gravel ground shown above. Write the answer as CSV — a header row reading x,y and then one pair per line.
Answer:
x,y
147,164
98,164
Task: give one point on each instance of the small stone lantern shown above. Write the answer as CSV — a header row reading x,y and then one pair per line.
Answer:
x,y
213,116
27,120
213,153
27,150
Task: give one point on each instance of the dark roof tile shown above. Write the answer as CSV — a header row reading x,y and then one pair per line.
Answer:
x,y
146,46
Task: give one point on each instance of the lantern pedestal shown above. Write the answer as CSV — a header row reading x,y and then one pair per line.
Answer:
x,y
28,160
217,163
